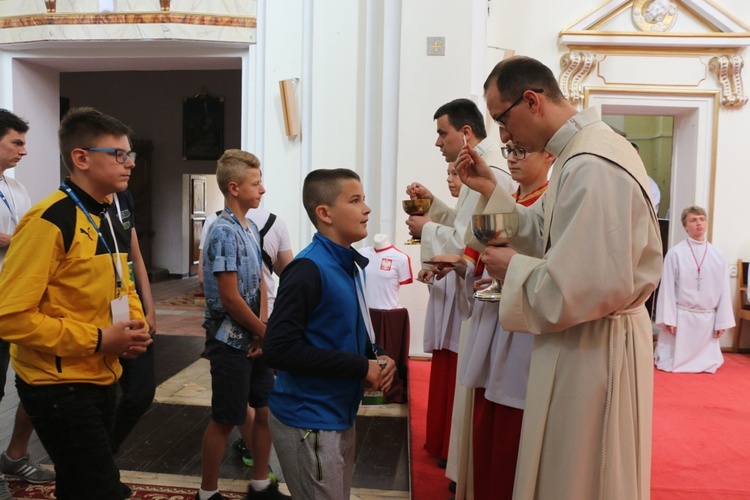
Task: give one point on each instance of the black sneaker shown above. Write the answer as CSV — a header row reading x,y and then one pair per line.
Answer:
x,y
239,446
270,493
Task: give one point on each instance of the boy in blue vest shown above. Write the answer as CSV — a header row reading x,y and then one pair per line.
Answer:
x,y
234,332
318,340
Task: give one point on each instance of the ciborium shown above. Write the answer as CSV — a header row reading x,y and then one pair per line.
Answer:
x,y
495,230
416,207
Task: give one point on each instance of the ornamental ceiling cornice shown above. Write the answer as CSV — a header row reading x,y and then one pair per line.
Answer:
x,y
656,28
127,18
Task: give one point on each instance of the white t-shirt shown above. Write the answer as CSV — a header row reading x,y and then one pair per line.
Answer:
x,y
389,268
276,240
18,203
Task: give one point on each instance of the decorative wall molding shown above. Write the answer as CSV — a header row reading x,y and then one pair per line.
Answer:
x,y
129,18
728,73
576,66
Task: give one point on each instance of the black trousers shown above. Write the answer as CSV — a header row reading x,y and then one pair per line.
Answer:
x,y
138,385
74,423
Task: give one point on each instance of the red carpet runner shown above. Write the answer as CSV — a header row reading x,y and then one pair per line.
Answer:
x,y
428,482
701,439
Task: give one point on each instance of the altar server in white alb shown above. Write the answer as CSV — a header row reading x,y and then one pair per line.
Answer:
x,y
695,306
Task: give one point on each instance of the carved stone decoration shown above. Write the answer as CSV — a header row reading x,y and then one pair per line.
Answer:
x,y
51,6
728,72
164,5
576,66
654,15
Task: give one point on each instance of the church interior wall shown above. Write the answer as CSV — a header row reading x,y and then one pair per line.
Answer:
x,y
151,103
36,92
323,43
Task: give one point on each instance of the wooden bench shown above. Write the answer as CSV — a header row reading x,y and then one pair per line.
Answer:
x,y
743,307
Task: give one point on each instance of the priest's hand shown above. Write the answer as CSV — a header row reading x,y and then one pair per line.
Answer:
x,y
671,329
474,171
496,261
416,223
4,240
417,191
718,333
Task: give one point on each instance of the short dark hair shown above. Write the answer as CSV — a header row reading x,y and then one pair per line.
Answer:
x,y
233,166
81,127
322,187
9,121
515,75
463,112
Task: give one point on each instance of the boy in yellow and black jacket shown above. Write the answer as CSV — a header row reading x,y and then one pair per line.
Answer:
x,y
70,308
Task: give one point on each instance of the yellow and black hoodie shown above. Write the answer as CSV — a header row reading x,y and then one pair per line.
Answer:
x,y
56,285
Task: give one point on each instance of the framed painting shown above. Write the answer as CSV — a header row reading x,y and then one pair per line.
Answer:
x,y
202,127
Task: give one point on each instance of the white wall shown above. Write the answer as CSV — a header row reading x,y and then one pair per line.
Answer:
x,y
35,99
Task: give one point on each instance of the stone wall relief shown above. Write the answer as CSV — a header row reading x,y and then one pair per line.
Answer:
x,y
727,69
654,15
576,66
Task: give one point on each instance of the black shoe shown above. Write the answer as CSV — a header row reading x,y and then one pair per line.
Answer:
x,y
270,493
215,496
126,491
452,486
442,463
239,446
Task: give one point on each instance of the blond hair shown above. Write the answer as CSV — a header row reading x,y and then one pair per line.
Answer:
x,y
233,166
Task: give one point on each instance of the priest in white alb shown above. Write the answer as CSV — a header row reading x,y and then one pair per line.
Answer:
x,y
695,306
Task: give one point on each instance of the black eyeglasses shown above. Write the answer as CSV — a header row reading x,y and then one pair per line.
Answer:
x,y
121,156
519,153
499,118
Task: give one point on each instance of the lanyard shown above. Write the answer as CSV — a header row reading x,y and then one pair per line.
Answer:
x,y
360,286
115,261
244,230
5,200
117,205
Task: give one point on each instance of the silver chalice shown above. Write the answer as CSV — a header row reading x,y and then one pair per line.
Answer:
x,y
494,230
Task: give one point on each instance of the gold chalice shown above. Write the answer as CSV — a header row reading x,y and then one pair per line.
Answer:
x,y
416,207
494,230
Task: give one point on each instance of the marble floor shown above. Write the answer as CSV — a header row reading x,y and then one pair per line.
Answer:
x,y
164,448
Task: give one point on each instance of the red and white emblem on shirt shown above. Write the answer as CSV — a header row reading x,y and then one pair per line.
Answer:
x,y
385,264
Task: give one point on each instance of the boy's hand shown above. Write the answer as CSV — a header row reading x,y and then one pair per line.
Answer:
x,y
256,348
388,372
374,376
128,339
151,320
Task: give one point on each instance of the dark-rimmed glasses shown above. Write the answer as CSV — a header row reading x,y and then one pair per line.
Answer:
x,y
499,118
121,156
519,152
